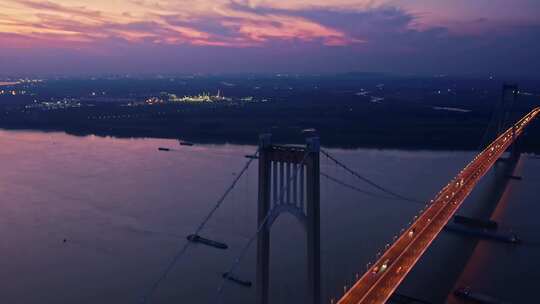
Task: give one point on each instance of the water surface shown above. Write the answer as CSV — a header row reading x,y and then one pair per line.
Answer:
x,y
96,220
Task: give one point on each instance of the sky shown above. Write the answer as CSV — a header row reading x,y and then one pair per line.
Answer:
x,y
469,37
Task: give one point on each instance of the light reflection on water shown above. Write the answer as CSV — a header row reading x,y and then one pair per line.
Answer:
x,y
124,209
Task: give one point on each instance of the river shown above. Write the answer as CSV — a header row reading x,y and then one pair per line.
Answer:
x,y
97,220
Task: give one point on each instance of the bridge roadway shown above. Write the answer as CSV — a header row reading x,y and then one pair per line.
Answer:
x,y
382,279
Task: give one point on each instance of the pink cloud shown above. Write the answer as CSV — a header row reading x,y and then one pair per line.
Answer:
x,y
68,23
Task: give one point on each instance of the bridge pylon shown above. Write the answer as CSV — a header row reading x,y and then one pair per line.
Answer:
x,y
507,103
506,115
289,181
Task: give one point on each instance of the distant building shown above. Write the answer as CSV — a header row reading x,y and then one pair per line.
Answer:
x,y
204,97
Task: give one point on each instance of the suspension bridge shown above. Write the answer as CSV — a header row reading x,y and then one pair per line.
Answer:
x,y
376,286
289,182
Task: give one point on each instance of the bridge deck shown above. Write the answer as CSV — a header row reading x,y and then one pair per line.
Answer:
x,y
382,279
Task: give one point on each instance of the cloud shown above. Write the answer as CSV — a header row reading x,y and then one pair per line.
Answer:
x,y
264,35
219,25
54,7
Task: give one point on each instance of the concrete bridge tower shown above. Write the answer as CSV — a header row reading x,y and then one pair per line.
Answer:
x,y
289,181
506,109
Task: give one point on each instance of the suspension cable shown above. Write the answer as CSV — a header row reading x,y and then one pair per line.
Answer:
x,y
491,124
369,193
368,181
181,252
261,226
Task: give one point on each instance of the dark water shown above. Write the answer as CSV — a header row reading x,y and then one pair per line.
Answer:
x,y
124,209
511,273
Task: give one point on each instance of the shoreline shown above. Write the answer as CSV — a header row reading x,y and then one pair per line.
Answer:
x,y
243,139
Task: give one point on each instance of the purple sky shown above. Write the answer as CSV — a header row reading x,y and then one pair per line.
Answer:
x,y
299,36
